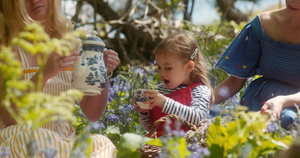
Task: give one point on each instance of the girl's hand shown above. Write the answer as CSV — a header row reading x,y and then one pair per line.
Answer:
x,y
111,60
142,111
275,104
157,99
56,63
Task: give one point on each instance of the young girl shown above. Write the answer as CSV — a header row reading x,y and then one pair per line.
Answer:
x,y
186,91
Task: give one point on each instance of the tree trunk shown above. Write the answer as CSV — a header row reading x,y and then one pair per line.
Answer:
x,y
132,33
230,12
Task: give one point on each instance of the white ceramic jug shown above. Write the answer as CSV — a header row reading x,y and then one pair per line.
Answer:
x,y
89,73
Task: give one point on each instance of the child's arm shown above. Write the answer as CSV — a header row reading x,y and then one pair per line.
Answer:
x,y
199,107
145,118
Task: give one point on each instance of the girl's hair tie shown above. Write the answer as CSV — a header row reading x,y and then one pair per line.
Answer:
x,y
194,54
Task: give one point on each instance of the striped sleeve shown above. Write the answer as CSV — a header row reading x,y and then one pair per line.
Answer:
x,y
145,121
198,110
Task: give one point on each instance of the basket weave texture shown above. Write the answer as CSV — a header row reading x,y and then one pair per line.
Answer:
x,y
151,151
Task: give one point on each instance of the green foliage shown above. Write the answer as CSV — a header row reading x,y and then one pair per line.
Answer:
x,y
244,137
35,108
177,147
120,116
213,41
82,146
129,145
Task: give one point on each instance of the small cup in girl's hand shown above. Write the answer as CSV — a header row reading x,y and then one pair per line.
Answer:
x,y
140,98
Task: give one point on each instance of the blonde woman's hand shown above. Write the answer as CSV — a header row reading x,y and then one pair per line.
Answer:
x,y
56,63
111,60
156,98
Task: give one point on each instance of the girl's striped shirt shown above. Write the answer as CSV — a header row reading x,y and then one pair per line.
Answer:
x,y
198,110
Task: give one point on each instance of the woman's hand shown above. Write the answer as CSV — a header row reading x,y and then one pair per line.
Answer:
x,y
275,104
56,63
157,99
142,111
111,60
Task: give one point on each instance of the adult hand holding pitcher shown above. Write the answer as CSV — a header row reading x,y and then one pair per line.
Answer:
x,y
90,72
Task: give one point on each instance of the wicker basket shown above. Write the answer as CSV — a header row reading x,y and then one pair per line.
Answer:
x,y
151,151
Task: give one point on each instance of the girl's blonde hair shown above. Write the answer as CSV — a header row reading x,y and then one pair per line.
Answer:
x,y
14,17
183,46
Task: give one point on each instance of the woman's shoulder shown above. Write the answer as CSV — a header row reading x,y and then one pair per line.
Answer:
x,y
253,27
269,20
271,16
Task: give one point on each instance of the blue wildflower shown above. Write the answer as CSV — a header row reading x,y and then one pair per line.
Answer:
x,y
5,152
139,71
273,126
203,151
97,126
193,147
50,153
113,118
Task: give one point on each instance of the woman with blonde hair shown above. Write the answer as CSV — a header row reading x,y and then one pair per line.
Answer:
x,y
57,136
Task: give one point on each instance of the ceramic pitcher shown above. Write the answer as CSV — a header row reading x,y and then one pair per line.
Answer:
x,y
89,73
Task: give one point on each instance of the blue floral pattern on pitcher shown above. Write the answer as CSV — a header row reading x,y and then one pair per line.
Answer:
x,y
90,73
140,97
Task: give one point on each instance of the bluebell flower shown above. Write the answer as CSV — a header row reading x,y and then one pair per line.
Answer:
x,y
175,151
5,152
175,144
129,107
193,147
273,126
97,126
128,120
103,123
195,155
203,151
195,139
154,62
113,118
110,98
50,153
139,71
167,129
181,133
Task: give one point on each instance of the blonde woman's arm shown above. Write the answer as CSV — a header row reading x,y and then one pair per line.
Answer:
x,y
94,106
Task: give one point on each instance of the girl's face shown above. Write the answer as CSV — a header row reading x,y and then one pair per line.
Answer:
x,y
37,9
293,7
172,71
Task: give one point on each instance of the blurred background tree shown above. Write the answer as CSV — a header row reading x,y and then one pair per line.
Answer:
x,y
134,27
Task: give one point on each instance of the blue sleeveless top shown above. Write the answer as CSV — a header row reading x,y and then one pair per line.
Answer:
x,y
254,53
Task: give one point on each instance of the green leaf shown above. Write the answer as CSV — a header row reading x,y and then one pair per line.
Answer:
x,y
129,145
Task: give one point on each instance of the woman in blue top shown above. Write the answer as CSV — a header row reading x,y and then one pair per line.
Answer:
x,y
269,45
